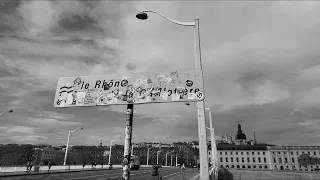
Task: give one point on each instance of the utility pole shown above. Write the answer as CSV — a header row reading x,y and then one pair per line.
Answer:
x,y
127,142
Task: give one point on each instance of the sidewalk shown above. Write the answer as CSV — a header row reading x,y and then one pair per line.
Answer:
x,y
8,174
191,174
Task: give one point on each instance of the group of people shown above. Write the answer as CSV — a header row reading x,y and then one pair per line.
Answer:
x,y
155,175
30,165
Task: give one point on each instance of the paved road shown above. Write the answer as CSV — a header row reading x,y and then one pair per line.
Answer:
x,y
115,174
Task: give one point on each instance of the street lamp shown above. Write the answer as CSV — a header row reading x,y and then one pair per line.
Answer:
x,y
111,149
66,153
167,158
7,110
158,152
148,156
214,157
204,170
132,149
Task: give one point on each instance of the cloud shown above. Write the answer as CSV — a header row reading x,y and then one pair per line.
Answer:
x,y
260,62
53,115
19,129
29,139
53,123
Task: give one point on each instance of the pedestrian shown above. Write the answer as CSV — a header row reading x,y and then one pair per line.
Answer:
x,y
28,165
93,164
102,165
49,165
83,165
183,171
155,174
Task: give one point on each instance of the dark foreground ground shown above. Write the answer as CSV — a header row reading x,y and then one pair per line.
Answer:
x,y
115,174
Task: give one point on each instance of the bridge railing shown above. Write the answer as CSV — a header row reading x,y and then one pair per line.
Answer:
x,y
61,167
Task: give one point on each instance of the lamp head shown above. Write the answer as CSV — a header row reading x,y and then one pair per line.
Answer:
x,y
188,104
10,111
142,16
81,128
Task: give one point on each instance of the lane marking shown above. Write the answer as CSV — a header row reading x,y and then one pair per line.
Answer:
x,y
92,176
131,174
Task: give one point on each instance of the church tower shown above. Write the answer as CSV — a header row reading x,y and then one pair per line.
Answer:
x,y
254,137
240,138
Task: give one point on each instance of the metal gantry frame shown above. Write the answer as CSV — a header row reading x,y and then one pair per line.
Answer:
x,y
204,169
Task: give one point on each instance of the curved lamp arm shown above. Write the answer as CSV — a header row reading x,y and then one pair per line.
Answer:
x,y
171,20
10,110
77,129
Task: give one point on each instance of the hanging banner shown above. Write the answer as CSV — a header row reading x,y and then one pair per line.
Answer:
x,y
131,88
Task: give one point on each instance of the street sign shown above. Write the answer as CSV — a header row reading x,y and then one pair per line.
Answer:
x,y
130,88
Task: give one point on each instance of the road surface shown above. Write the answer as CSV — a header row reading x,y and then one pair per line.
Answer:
x,y
115,174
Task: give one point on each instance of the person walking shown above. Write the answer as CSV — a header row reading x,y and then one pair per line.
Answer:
x,y
155,174
49,165
183,171
28,165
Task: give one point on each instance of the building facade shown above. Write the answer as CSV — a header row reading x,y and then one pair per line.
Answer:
x,y
286,157
242,153
47,154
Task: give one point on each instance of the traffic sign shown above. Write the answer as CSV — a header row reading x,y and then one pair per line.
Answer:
x,y
130,88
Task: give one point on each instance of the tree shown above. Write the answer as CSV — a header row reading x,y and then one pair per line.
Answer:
x,y
304,160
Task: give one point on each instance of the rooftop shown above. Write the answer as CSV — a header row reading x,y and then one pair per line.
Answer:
x,y
294,148
242,147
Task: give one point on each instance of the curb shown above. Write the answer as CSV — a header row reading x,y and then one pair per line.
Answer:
x,y
52,172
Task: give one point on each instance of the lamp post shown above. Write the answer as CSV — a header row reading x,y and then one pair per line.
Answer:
x,y
176,160
111,149
214,157
132,149
148,156
7,110
166,159
204,170
158,152
66,153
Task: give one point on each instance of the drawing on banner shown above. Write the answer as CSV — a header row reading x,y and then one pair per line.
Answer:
x,y
131,88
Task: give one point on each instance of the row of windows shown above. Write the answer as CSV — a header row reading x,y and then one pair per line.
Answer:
x,y
253,153
243,166
294,167
297,153
285,160
53,153
242,159
48,157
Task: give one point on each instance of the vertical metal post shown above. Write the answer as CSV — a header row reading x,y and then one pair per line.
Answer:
x,y
203,148
171,160
127,141
176,159
148,156
158,157
132,150
166,159
214,157
66,153
110,152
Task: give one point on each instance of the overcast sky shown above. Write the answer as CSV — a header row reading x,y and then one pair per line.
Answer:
x,y
260,63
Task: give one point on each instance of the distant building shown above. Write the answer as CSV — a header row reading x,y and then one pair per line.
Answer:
x,y
286,157
245,154
46,154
